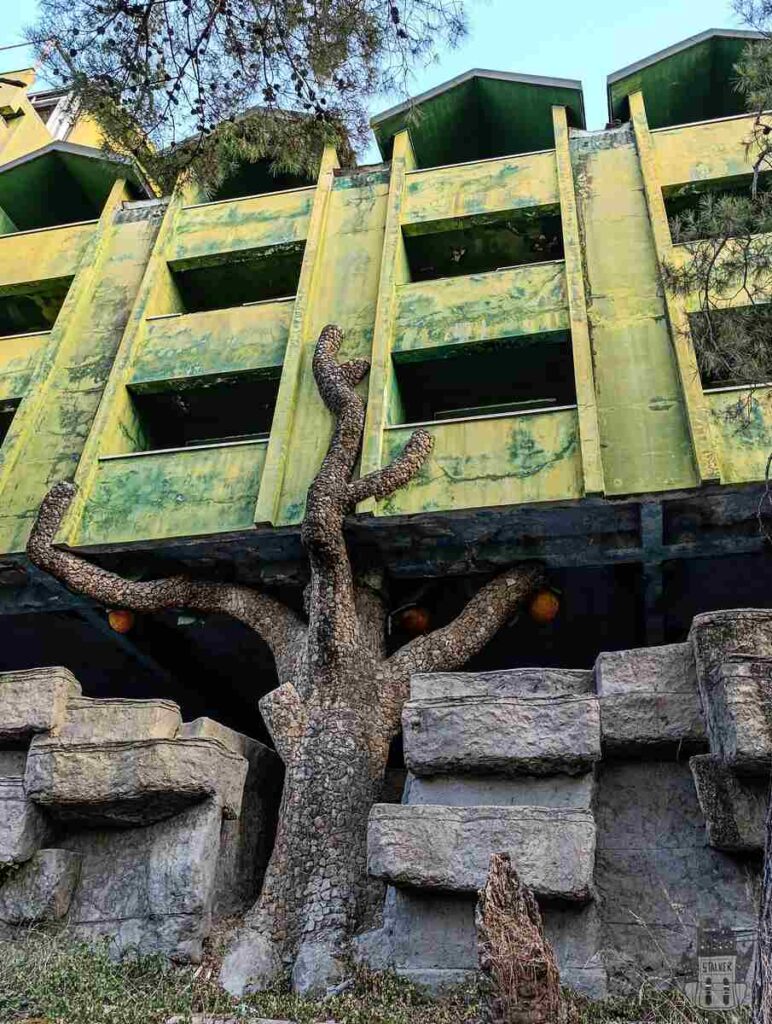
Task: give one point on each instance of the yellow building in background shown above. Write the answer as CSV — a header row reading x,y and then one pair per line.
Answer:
x,y
501,270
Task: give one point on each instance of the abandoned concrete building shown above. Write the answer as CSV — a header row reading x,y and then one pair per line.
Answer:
x,y
505,281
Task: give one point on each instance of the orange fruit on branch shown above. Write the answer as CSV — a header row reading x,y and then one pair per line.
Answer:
x,y
121,620
544,607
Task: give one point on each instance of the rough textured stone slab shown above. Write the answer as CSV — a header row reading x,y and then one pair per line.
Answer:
x,y
649,698
734,806
449,848
732,686
246,843
503,735
23,826
12,763
149,887
41,889
34,701
658,879
116,720
132,783
502,791
513,682
741,713
430,938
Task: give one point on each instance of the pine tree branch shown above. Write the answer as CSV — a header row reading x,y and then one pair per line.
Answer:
x,y
276,624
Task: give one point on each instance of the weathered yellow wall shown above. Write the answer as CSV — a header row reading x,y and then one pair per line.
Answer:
x,y
635,430
643,422
72,365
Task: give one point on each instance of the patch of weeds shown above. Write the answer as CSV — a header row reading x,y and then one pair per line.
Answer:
x,y
49,978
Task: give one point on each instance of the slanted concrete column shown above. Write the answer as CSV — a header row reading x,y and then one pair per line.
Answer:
x,y
394,271
584,373
696,406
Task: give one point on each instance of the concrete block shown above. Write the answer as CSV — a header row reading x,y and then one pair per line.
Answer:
x,y
246,842
34,701
649,699
430,938
741,713
12,763
501,735
657,878
209,729
449,848
512,682
41,889
151,888
117,720
733,687
23,826
734,806
133,783
501,790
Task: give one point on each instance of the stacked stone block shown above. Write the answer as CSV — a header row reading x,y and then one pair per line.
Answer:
x,y
585,779
123,820
500,761
734,652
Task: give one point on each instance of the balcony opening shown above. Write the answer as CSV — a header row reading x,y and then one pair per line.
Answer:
x,y
511,375
684,204
733,346
479,244
224,411
256,179
31,308
7,412
258,275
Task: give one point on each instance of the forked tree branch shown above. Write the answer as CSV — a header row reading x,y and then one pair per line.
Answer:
x,y
453,645
276,623
399,472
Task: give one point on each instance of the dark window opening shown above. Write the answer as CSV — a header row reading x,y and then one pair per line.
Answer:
x,y
511,375
7,412
733,346
256,179
684,204
260,275
238,409
477,245
30,308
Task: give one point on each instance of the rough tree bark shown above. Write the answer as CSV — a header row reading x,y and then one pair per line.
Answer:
x,y
340,698
515,958
761,999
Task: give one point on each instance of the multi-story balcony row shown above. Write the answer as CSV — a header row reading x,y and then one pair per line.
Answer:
x,y
502,272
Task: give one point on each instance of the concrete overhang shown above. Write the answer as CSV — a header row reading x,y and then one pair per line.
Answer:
x,y
692,80
480,114
63,182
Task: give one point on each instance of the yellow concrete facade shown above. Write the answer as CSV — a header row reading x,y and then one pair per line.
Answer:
x,y
640,424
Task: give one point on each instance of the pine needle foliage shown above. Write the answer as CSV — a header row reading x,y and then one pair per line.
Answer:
x,y
727,271
198,84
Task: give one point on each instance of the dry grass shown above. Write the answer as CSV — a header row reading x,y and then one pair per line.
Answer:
x,y
48,978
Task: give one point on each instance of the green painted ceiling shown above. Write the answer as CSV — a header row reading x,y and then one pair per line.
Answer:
x,y
478,115
692,81
58,185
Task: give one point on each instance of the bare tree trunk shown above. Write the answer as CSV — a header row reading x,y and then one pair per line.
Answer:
x,y
339,702
515,957
762,977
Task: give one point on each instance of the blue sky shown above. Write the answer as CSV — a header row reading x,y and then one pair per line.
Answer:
x,y
584,39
